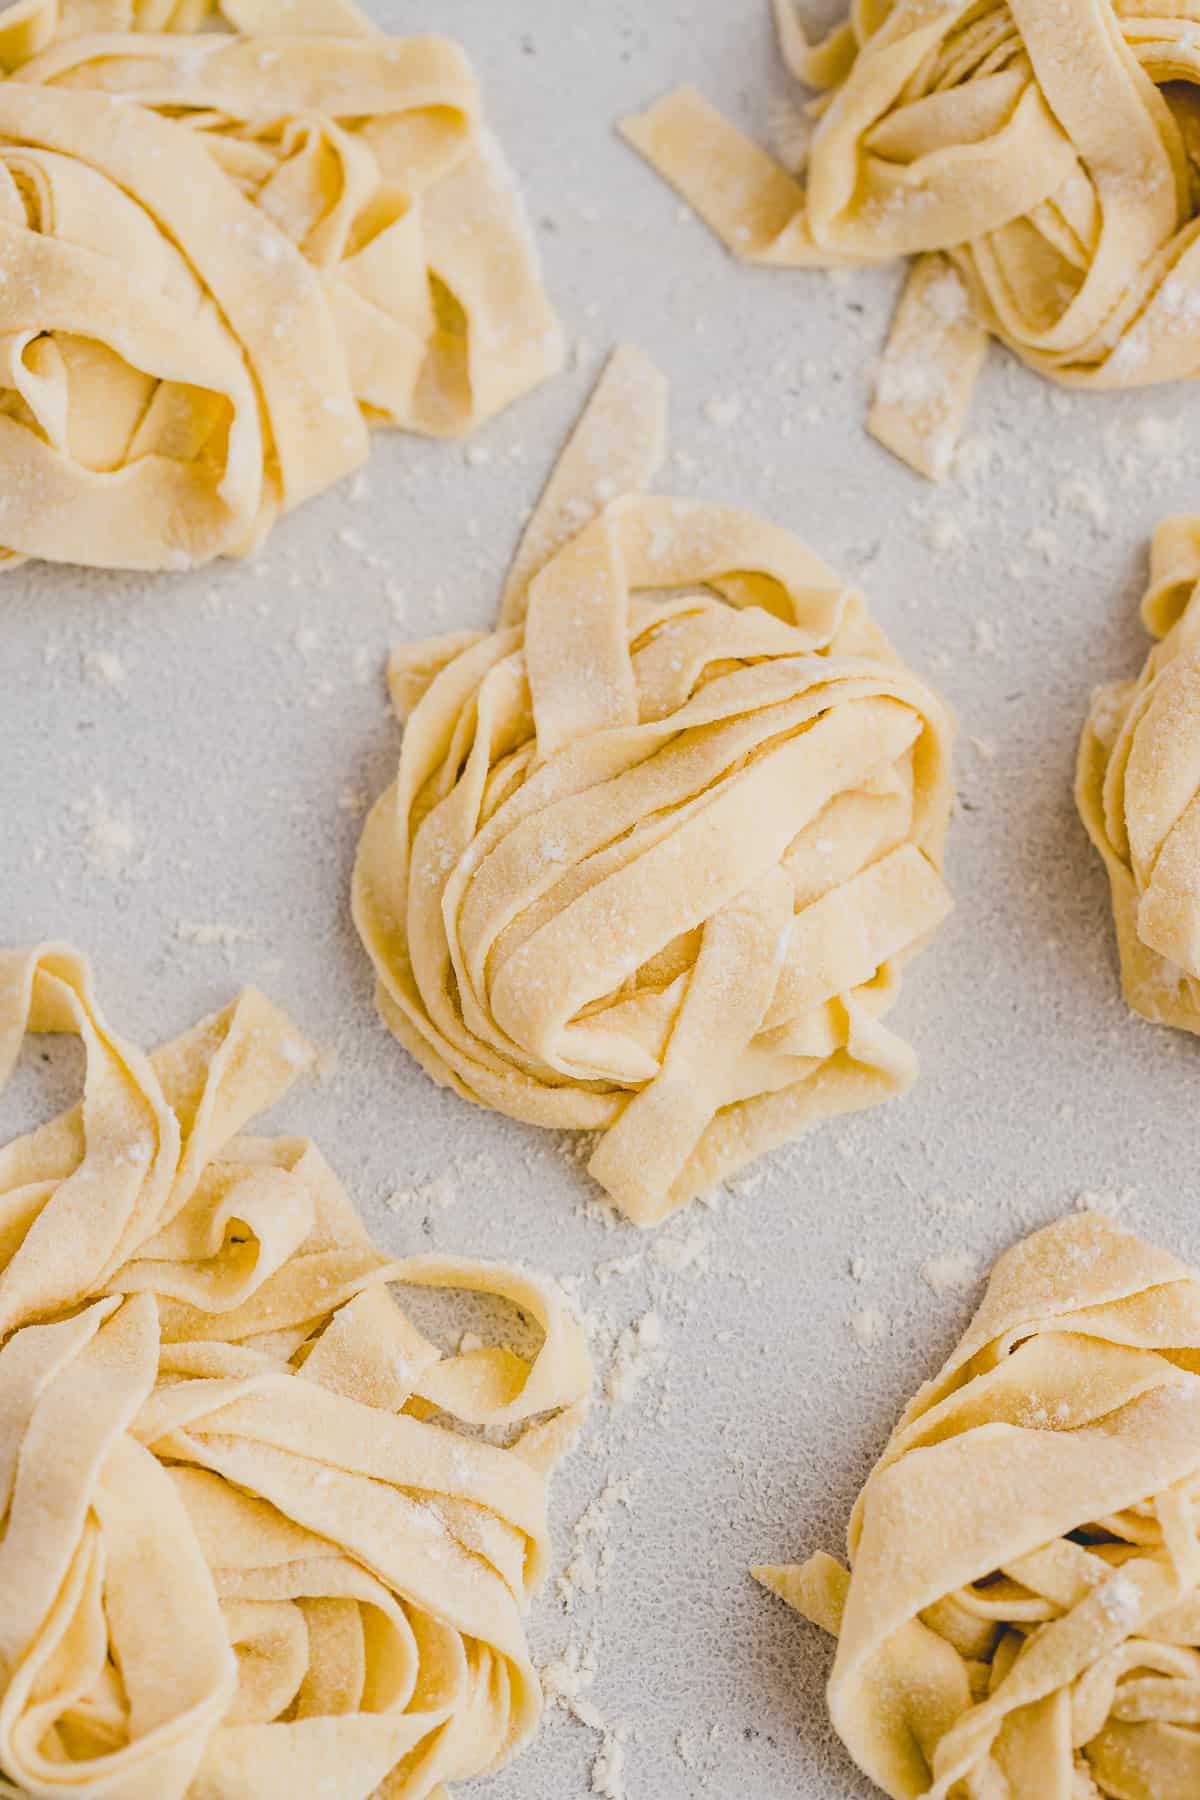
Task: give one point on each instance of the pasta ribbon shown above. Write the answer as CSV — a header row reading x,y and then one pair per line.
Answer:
x,y
1138,791
1021,1616
253,1537
1035,157
659,844
223,257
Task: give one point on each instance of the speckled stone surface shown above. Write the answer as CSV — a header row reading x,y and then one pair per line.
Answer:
x,y
183,766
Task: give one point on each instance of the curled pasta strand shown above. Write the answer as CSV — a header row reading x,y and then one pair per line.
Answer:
x,y
1021,1613
1032,158
1138,791
224,257
230,1464
659,845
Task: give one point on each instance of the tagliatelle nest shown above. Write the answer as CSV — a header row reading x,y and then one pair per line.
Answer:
x,y
1038,158
223,257
660,843
251,1541
1138,792
1021,1619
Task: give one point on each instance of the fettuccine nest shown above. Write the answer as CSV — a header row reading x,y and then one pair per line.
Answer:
x,y
658,845
223,257
252,1540
1038,158
1021,1616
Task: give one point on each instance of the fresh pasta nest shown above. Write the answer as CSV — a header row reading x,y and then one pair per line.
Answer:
x,y
1021,1618
1036,158
659,844
251,1542
1138,791
223,257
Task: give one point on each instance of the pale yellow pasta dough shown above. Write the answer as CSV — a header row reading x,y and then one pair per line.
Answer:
x,y
1021,1618
1138,791
1036,157
223,257
252,1542
658,844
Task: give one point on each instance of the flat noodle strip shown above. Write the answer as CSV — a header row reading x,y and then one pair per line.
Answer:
x,y
1138,792
928,372
651,866
1040,147
225,256
230,1466
1020,1615
617,449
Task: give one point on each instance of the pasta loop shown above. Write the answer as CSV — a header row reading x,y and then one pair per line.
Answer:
x,y
223,257
1021,1617
1034,156
1138,792
251,1539
659,844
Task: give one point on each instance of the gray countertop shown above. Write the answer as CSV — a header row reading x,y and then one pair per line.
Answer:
x,y
185,761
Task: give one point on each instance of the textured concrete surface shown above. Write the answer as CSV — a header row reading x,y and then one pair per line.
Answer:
x,y
218,782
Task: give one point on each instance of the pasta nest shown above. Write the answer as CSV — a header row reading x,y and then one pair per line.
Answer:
x,y
658,845
1021,1618
1138,791
1048,150
1035,145
252,1539
223,257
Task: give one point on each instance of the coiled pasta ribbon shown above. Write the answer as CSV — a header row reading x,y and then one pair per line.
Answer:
x,y
660,843
223,257
1021,1618
252,1541
1138,792
1035,156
